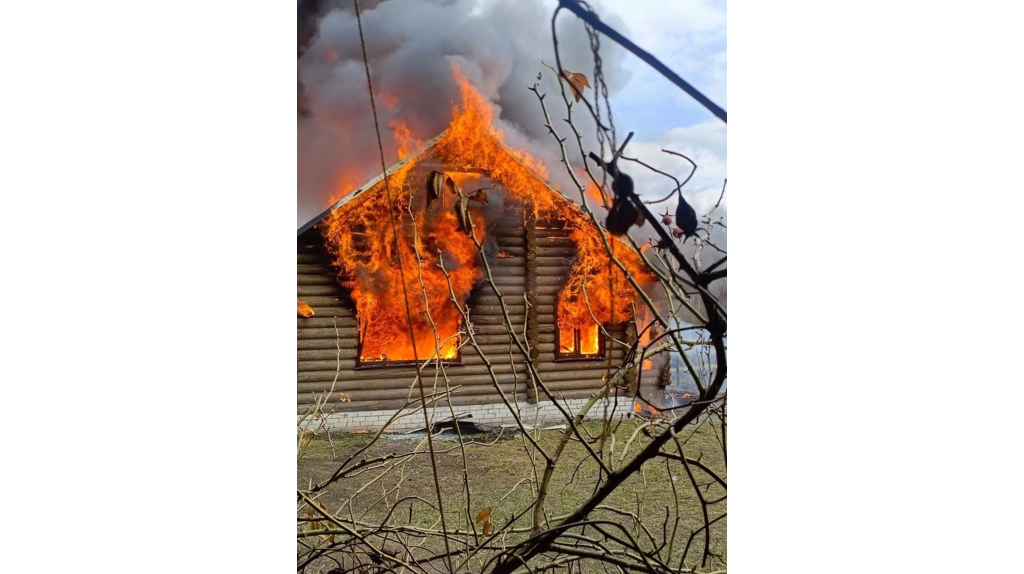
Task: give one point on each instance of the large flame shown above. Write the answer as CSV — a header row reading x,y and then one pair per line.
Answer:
x,y
371,264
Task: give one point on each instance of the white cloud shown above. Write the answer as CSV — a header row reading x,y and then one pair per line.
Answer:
x,y
704,143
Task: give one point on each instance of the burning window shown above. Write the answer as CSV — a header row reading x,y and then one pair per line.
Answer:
x,y
578,337
585,342
386,268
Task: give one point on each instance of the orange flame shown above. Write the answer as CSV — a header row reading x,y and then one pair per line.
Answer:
x,y
363,244
389,100
304,309
404,137
374,267
347,180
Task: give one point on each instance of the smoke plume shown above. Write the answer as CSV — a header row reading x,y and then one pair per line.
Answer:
x,y
410,45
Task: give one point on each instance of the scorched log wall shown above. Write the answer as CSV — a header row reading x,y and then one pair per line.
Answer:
x,y
532,257
327,353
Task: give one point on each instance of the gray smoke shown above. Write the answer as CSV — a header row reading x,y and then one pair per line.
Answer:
x,y
499,46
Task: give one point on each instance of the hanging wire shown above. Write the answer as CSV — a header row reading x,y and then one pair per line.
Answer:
x,y
405,291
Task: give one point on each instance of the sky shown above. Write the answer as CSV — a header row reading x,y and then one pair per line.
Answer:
x,y
501,45
689,36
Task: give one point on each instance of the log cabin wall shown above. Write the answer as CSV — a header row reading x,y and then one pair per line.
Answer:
x,y
532,260
555,254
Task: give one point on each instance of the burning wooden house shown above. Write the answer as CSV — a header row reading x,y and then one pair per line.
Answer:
x,y
491,264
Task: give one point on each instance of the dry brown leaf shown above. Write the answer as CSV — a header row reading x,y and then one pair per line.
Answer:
x,y
483,515
577,83
487,527
306,437
304,309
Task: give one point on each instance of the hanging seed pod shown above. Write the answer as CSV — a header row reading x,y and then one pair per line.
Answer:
x,y
622,216
686,218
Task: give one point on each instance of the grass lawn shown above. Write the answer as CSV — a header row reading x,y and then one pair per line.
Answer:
x,y
500,474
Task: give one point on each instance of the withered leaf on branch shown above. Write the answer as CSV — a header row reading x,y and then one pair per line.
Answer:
x,y
487,527
686,217
622,216
304,309
483,515
577,82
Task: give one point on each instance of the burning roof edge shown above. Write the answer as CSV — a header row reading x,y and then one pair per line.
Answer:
x,y
408,159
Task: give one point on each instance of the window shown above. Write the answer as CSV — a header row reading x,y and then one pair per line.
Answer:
x,y
578,343
380,347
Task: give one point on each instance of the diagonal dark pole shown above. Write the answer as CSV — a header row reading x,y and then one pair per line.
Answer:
x,y
590,18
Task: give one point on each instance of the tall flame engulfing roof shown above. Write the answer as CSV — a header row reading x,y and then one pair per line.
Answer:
x,y
414,158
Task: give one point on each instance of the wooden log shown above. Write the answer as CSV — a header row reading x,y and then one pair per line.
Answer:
x,y
318,321
310,245
507,382
563,242
549,356
403,394
505,281
323,279
488,299
561,272
556,251
332,289
323,344
562,386
495,328
305,402
472,365
506,231
552,232
324,333
594,374
511,271
504,262
566,262
570,395
511,241
549,221
327,353
549,289
340,304
310,361
308,258
345,314
483,310
514,251
493,320
551,281
428,378
308,269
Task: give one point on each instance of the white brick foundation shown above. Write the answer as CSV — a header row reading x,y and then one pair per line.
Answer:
x,y
496,414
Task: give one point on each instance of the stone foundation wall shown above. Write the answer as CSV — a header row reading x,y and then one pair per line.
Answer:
x,y
496,414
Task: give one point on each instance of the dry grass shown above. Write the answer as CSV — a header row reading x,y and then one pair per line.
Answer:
x,y
498,474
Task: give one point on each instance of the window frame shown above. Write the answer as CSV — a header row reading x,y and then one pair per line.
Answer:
x,y
364,364
602,350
